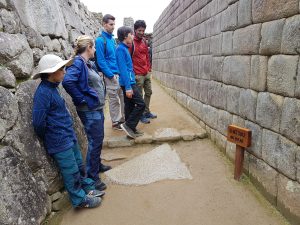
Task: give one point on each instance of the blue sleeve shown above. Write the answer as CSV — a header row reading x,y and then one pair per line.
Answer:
x,y
70,83
121,60
101,58
41,106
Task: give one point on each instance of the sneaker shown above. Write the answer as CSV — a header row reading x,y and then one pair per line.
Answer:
x,y
116,126
138,133
145,119
100,186
96,193
104,168
90,202
150,115
128,131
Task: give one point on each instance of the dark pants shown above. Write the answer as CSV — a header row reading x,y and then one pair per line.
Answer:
x,y
93,122
73,172
134,107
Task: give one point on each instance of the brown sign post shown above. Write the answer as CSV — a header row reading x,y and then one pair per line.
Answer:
x,y
242,138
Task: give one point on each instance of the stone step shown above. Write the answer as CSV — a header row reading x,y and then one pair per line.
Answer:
x,y
162,135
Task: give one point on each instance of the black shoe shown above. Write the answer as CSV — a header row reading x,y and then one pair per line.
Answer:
x,y
130,133
104,168
100,186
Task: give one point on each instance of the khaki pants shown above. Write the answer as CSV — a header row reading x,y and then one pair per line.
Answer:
x,y
116,100
143,83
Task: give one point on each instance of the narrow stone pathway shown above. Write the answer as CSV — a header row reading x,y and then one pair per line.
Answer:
x,y
212,197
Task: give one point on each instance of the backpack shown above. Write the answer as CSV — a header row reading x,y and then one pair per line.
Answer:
x,y
95,56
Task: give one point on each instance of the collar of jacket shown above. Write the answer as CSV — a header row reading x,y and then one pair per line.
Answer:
x,y
50,84
107,35
124,45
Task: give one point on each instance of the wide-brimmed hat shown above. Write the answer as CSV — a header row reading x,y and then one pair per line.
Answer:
x,y
50,64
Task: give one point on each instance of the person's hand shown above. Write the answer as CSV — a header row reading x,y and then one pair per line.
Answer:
x,y
129,93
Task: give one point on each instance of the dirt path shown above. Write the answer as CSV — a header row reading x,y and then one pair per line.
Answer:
x,y
212,197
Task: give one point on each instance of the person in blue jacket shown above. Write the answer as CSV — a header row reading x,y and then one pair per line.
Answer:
x,y
134,103
86,87
53,123
106,60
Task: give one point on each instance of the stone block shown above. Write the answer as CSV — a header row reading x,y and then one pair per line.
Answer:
x,y
187,135
290,36
239,121
247,104
230,150
211,116
166,134
244,13
221,141
268,111
181,98
119,141
280,153
203,90
217,69
288,199
224,120
271,33
282,70
227,38
259,67
56,196
232,101
290,121
229,18
62,203
236,71
10,21
264,178
256,138
7,78
145,139
205,68
216,45
297,89
267,10
298,163
216,95
246,40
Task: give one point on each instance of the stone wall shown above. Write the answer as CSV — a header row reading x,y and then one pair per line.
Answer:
x,y
31,188
237,62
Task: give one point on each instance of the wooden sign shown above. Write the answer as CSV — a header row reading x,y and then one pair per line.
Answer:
x,y
242,138
239,136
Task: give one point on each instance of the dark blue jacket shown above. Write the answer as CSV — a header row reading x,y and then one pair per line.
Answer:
x,y
76,84
51,119
127,77
107,59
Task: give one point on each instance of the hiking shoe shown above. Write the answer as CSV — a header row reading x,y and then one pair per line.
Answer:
x,y
90,202
145,119
138,133
104,168
116,126
96,193
130,133
150,115
100,186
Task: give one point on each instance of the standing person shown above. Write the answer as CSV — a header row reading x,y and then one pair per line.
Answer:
x,y
53,123
142,67
106,60
86,87
134,103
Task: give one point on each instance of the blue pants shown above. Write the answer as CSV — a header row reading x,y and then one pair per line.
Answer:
x,y
73,172
93,122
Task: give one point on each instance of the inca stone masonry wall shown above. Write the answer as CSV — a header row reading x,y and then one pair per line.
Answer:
x,y
30,186
237,62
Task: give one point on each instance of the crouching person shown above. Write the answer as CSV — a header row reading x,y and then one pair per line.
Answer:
x,y
134,103
52,122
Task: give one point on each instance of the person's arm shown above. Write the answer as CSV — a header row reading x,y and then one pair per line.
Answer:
x,y
70,84
41,105
121,60
101,58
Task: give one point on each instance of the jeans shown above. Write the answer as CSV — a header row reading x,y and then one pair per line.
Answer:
x,y
73,172
93,122
143,82
134,107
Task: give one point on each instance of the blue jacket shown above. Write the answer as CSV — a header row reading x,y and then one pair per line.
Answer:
x,y
51,119
127,77
76,84
107,62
